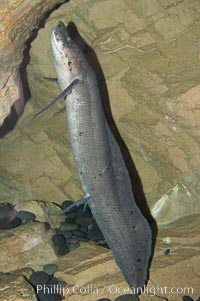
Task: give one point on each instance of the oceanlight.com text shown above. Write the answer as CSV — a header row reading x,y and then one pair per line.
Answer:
x,y
113,290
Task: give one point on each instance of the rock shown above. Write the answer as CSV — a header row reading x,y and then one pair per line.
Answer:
x,y
183,260
72,240
66,234
187,298
70,220
92,269
128,297
146,98
68,227
26,215
20,245
15,287
81,266
60,245
15,223
36,209
104,299
62,250
95,233
73,246
39,278
83,229
50,269
83,221
91,264
166,251
78,233
58,239
71,215
14,35
66,204
8,214
83,212
83,239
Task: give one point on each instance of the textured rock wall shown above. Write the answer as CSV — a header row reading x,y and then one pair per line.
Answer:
x,y
91,269
18,18
149,54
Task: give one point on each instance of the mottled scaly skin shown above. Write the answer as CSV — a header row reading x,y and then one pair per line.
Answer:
x,y
100,164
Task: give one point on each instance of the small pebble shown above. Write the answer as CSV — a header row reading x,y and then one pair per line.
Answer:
x,y
95,233
166,251
83,229
83,212
74,246
68,227
103,244
128,297
53,281
59,243
66,234
39,278
79,233
83,221
72,240
66,204
50,269
58,239
62,250
26,215
70,220
187,298
103,299
83,239
72,215
61,283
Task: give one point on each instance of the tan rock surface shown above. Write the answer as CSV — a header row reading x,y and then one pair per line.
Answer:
x,y
152,76
18,18
91,273
43,211
27,245
14,287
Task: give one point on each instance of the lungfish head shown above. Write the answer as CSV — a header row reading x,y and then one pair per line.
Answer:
x,y
67,58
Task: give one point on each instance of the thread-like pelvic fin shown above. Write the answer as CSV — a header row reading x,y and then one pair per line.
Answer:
x,y
63,94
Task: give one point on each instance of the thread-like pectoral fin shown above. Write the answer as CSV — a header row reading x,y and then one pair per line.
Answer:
x,y
63,94
76,204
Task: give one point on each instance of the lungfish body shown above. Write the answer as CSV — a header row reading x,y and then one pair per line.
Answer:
x,y
99,162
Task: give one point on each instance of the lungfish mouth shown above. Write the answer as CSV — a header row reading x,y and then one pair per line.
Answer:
x,y
60,35
64,49
61,41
